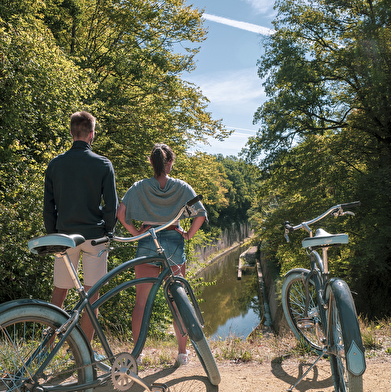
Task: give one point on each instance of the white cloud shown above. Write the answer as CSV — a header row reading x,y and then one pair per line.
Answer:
x,y
261,6
240,25
232,88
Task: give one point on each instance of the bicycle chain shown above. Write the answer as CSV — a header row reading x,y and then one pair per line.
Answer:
x,y
82,367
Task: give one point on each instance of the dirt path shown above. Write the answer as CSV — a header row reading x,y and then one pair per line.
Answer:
x,y
265,377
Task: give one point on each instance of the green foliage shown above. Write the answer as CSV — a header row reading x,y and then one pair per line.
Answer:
x,y
38,89
123,62
118,60
325,135
328,62
242,184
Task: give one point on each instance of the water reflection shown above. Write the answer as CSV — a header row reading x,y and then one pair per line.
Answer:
x,y
230,306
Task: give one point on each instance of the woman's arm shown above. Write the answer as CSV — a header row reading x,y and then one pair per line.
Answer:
x,y
195,225
121,214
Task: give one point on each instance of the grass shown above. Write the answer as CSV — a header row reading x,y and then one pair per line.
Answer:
x,y
261,348
376,336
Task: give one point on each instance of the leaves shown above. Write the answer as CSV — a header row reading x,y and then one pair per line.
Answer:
x,y
325,135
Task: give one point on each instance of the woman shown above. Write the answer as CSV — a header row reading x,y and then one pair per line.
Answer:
x,y
154,201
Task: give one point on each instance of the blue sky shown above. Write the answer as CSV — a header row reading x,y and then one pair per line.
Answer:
x,y
226,65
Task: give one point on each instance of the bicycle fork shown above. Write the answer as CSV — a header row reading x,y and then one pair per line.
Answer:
x,y
170,301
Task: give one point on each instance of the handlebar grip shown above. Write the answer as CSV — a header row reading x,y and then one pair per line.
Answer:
x,y
288,226
351,205
100,241
193,201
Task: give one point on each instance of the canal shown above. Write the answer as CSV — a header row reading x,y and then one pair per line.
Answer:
x,y
230,306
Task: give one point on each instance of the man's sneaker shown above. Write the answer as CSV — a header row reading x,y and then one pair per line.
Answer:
x,y
98,357
182,359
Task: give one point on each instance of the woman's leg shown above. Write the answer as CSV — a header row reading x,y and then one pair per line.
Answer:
x,y
142,291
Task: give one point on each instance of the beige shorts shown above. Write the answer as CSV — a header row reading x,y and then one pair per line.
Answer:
x,y
94,267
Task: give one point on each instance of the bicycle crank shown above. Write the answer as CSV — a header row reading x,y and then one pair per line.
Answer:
x,y
124,372
124,375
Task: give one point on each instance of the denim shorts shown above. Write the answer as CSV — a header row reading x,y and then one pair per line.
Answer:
x,y
170,240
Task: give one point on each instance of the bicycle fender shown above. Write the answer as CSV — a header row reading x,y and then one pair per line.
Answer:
x,y
302,271
30,302
186,312
36,302
354,348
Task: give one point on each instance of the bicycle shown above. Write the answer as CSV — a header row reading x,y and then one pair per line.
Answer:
x,y
42,347
320,310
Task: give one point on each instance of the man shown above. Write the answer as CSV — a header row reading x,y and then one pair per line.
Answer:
x,y
76,182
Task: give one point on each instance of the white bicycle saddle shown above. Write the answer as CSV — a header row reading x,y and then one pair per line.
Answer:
x,y
323,238
54,243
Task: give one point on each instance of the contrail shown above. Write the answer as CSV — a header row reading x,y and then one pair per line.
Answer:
x,y
240,25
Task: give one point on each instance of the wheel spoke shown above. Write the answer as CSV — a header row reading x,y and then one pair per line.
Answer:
x,y
305,326
24,348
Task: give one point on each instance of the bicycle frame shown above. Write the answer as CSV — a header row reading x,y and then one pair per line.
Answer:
x,y
177,291
165,278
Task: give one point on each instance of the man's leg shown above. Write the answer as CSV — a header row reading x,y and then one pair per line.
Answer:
x,y
62,278
94,259
58,296
86,324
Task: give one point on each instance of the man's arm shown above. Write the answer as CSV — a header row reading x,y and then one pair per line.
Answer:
x,y
110,200
49,207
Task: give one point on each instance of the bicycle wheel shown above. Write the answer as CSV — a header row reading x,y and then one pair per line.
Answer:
x,y
344,380
306,327
24,327
191,324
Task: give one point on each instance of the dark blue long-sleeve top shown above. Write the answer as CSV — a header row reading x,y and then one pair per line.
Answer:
x,y
80,195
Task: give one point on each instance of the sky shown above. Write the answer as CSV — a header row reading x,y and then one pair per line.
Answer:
x,y
227,66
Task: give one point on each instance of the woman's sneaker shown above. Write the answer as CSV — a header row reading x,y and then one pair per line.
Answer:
x,y
139,359
182,359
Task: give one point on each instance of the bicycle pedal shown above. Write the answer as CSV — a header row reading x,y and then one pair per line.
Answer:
x,y
159,388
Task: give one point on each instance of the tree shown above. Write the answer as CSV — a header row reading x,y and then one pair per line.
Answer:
x,y
118,59
39,88
326,68
328,77
242,183
131,50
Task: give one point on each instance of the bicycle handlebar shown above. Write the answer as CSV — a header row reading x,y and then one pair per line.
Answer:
x,y
354,204
147,233
337,210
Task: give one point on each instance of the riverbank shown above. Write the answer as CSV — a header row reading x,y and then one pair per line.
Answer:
x,y
249,241
267,363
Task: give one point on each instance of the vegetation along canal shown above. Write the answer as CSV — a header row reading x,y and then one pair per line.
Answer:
x,y
230,307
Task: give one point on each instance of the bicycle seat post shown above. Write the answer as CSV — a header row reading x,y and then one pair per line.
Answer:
x,y
325,260
72,272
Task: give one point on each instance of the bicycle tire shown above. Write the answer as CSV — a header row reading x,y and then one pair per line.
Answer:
x,y
23,326
344,380
193,328
308,330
